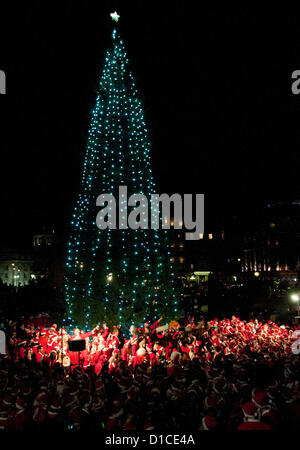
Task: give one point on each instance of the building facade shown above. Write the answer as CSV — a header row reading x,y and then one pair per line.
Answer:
x,y
273,248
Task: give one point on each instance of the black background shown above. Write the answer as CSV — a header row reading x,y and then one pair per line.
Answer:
x,y
216,86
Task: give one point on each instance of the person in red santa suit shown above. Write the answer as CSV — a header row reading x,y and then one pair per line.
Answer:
x,y
53,343
74,358
251,418
22,417
52,333
113,339
104,332
22,350
114,361
125,351
35,341
134,340
139,358
174,367
39,354
101,360
85,354
153,357
158,349
40,405
43,338
150,329
94,353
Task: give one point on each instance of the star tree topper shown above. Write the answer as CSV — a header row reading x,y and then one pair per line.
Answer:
x,y
115,16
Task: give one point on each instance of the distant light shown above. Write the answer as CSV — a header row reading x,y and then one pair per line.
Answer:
x,y
295,297
256,274
110,277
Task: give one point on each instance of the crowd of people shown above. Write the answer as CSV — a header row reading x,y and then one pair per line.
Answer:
x,y
225,374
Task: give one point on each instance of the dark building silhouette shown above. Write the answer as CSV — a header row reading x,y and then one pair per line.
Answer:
x,y
272,249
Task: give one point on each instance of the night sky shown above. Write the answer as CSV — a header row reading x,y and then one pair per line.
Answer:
x,y
216,87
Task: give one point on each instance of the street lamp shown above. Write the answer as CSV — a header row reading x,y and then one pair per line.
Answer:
x,y
296,298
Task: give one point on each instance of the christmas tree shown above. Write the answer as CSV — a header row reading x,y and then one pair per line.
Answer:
x,y
122,275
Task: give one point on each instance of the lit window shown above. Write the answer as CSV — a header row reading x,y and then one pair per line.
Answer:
x,y
210,236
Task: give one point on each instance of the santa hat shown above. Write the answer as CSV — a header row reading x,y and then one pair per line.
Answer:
x,y
129,426
26,390
20,403
147,324
116,412
7,400
155,391
97,404
76,415
148,426
209,402
259,397
116,351
249,409
219,384
209,423
132,392
3,413
111,423
266,413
